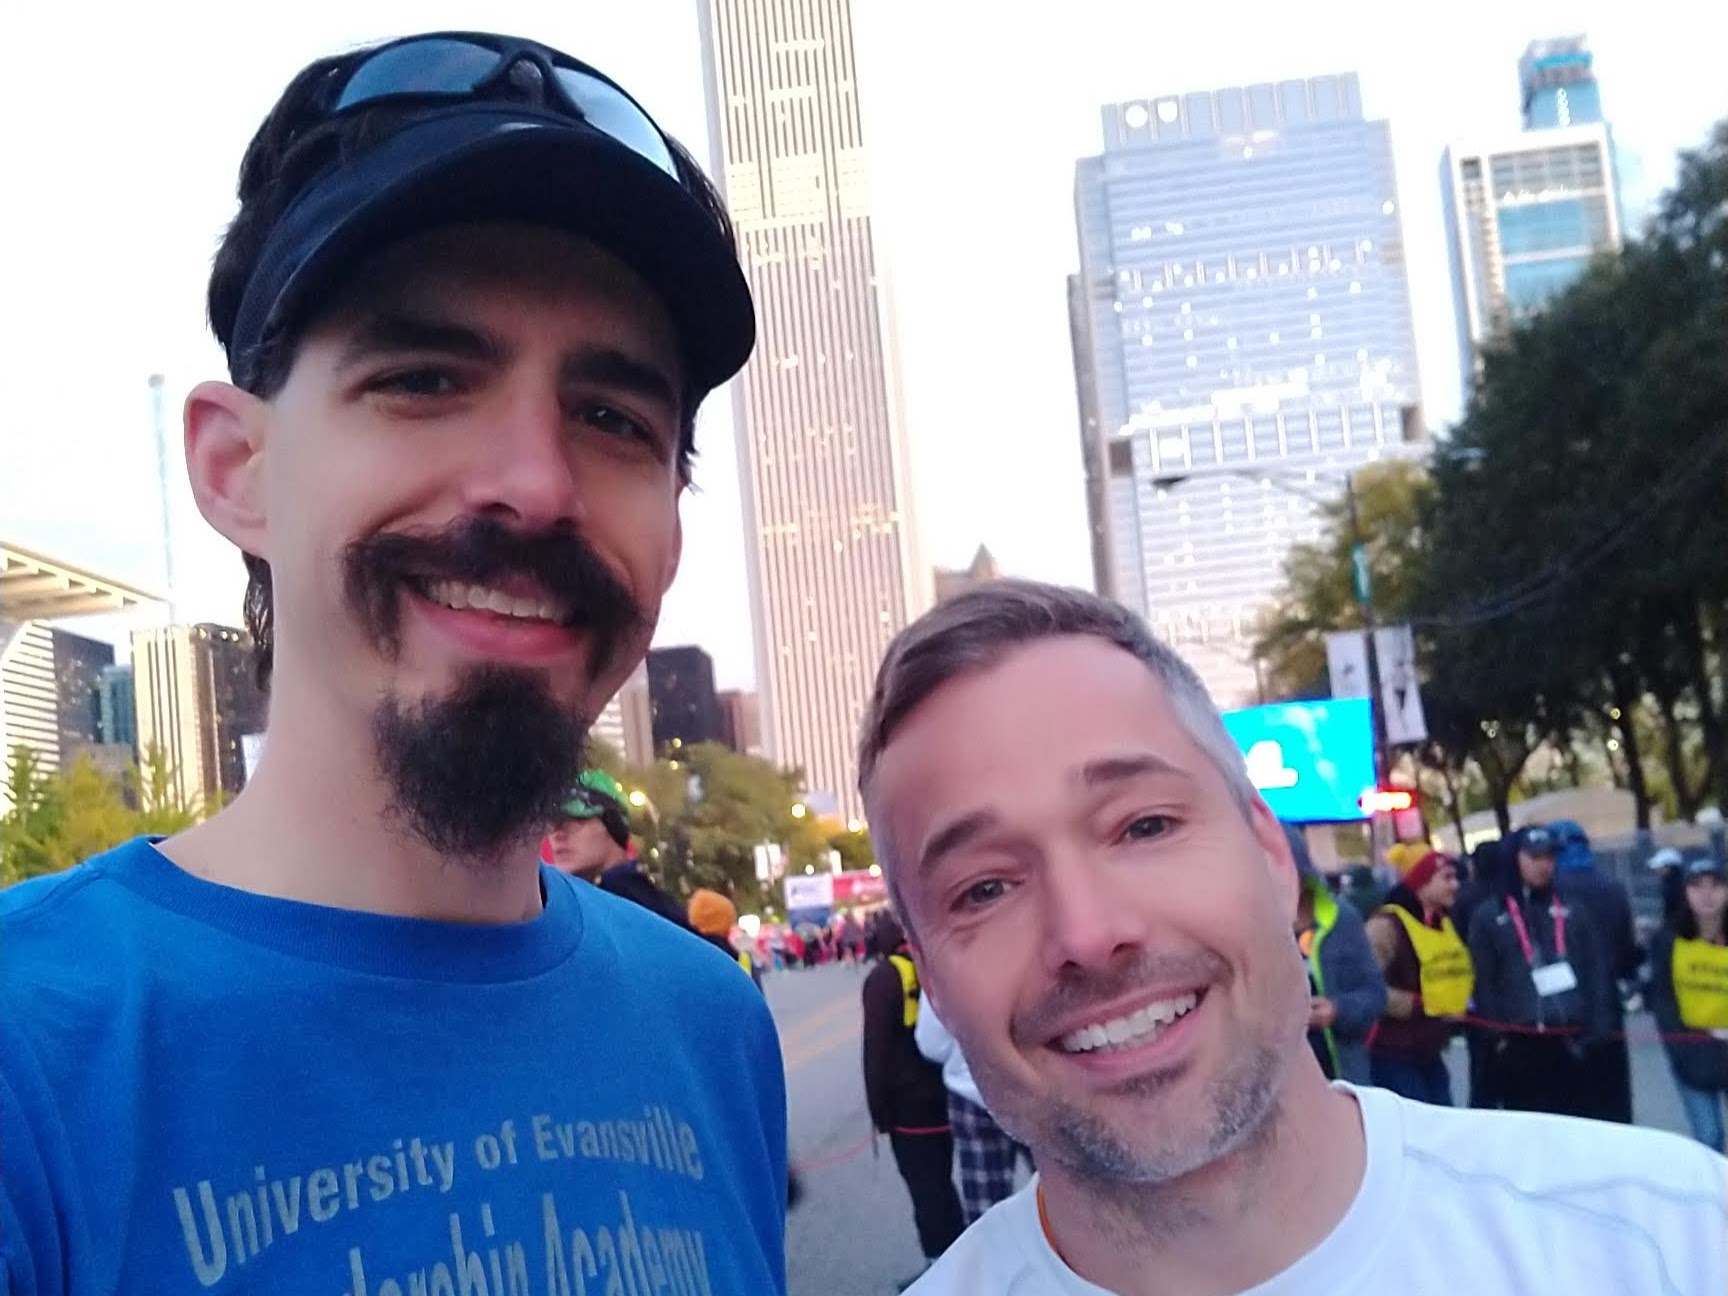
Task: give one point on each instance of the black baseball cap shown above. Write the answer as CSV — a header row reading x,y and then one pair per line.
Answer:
x,y
584,158
1705,866
1538,841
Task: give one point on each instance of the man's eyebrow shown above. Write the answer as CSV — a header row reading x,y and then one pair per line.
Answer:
x,y
961,832
1118,769
609,367
393,332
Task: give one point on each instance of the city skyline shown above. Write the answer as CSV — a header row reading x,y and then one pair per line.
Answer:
x,y
972,177
1242,310
830,530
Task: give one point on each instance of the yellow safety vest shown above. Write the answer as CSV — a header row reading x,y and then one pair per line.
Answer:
x,y
908,987
1701,984
1448,979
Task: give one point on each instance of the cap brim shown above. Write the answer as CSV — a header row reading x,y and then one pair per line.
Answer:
x,y
496,163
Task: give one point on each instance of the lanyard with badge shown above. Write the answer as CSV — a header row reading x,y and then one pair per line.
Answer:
x,y
1550,978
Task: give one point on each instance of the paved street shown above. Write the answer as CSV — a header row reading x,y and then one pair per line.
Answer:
x,y
852,1235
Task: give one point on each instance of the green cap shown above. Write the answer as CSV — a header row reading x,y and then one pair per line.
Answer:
x,y
595,793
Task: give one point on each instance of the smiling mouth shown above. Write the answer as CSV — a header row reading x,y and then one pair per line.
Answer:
x,y
462,596
1133,1030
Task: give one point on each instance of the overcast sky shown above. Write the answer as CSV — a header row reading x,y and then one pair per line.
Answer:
x,y
121,156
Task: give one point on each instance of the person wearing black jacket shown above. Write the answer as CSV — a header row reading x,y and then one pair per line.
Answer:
x,y
907,1098
1689,997
1491,863
1607,1072
1543,969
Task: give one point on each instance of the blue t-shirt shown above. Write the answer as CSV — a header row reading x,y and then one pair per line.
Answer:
x,y
206,1090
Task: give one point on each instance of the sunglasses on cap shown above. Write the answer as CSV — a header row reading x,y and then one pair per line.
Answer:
x,y
461,65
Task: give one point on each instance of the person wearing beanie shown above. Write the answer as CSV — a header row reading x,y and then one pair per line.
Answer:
x,y
713,917
1428,981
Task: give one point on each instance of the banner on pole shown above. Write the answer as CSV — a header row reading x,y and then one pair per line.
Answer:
x,y
1400,695
1347,663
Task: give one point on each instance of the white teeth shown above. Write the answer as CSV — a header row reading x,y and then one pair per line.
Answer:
x,y
1135,1028
460,595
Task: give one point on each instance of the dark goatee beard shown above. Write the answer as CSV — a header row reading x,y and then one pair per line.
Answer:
x,y
483,770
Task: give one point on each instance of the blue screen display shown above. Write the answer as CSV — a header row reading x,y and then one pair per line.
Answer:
x,y
1312,761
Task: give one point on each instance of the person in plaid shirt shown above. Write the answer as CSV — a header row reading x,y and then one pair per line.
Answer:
x,y
985,1154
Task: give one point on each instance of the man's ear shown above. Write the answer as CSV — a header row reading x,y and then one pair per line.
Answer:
x,y
224,437
1280,862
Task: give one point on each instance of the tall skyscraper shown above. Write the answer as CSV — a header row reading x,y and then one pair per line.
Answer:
x,y
117,707
1241,320
79,664
198,702
1526,213
686,708
834,569
743,716
626,722
1557,84
30,697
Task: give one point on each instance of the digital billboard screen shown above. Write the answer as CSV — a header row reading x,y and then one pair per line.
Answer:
x,y
1312,761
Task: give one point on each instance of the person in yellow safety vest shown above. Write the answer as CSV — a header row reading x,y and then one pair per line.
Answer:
x,y
904,1090
1689,997
1429,979
1346,991
714,916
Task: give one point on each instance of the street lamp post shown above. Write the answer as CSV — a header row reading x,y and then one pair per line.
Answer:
x,y
1364,589
1360,572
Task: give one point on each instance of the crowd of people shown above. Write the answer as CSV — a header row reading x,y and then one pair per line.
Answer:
x,y
350,1034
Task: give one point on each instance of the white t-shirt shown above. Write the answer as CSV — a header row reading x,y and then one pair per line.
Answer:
x,y
1453,1203
939,1046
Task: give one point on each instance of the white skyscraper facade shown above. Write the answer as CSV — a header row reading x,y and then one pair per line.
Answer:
x,y
1241,321
833,559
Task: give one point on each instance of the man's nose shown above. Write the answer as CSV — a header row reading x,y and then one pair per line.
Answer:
x,y
524,471
1088,922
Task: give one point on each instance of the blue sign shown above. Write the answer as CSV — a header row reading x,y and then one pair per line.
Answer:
x,y
1312,761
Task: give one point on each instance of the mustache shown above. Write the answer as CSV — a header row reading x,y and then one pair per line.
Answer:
x,y
1079,989
482,551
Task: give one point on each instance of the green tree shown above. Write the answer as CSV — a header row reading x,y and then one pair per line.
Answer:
x,y
94,818
162,809
856,852
704,812
1319,583
30,830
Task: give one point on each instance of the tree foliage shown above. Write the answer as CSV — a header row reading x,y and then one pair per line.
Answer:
x,y
705,811
58,820
1561,556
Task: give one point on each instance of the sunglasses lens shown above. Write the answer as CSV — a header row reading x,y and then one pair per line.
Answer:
x,y
419,67
610,111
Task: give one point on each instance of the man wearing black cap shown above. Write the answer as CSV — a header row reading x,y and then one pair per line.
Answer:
x,y
325,1042
1544,981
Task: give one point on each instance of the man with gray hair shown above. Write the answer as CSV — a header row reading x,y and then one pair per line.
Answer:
x,y
1100,904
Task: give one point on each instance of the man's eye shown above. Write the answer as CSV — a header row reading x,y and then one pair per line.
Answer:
x,y
1148,827
982,893
417,382
615,422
